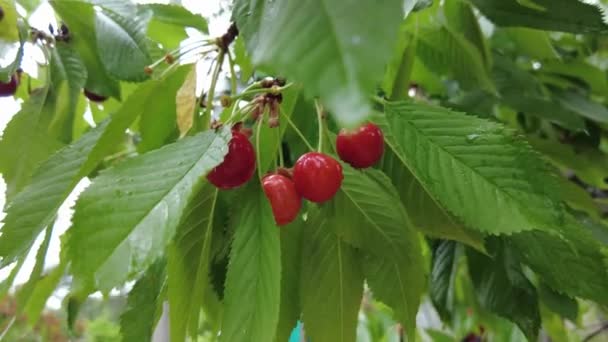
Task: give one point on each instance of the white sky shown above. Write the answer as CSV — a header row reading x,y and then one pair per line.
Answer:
x,y
41,18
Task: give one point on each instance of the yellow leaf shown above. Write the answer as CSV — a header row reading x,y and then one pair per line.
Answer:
x,y
8,22
185,101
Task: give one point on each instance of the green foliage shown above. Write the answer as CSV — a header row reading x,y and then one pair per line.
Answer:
x,y
189,260
340,71
253,281
489,199
134,208
456,156
502,287
141,314
331,281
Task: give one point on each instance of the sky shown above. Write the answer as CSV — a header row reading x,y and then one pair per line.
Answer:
x,y
41,18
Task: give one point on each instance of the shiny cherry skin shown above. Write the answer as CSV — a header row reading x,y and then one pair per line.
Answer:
x,y
283,197
362,147
317,176
238,165
9,88
94,97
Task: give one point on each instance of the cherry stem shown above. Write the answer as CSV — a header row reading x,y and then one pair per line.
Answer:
x,y
257,148
295,128
281,158
211,92
232,73
321,123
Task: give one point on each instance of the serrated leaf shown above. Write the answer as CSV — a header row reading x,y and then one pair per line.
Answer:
x,y
446,51
550,15
331,282
79,16
350,52
502,287
291,256
570,260
251,297
426,215
579,69
443,276
177,15
122,45
467,163
189,259
133,209
158,120
125,8
69,74
565,306
8,24
25,143
139,318
35,207
185,101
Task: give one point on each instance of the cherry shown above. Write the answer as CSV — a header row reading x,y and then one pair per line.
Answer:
x,y
317,176
362,147
94,97
9,88
238,165
283,197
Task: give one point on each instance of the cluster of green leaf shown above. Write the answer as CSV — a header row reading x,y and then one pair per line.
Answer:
x,y
487,106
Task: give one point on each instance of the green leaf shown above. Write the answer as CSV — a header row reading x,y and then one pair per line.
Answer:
x,y
466,163
461,18
446,51
373,219
291,259
79,17
443,277
25,143
69,73
331,282
350,52
425,213
242,59
35,207
502,287
189,260
582,105
139,318
8,25
565,306
158,120
177,15
532,43
396,81
591,75
253,282
570,260
133,209
122,45
550,15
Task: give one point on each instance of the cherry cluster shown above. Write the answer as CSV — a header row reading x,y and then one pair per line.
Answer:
x,y
316,176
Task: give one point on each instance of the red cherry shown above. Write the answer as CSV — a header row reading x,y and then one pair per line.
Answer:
x,y
238,165
317,176
283,197
362,147
94,97
9,88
